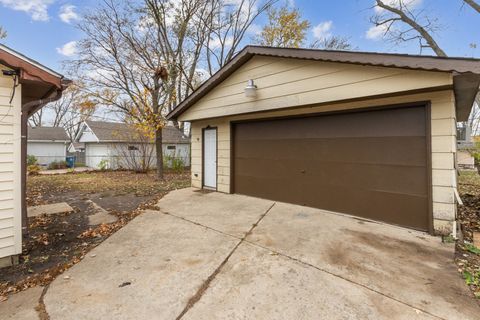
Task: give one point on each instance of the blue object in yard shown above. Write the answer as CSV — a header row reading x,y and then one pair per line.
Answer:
x,y
70,161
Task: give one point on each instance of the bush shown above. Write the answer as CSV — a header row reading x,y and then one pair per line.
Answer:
x,y
33,169
31,160
176,164
57,165
103,165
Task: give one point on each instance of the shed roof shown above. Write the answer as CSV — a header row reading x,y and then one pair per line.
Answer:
x,y
466,71
47,134
122,132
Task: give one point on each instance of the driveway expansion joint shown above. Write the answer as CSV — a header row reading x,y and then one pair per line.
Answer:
x,y
41,308
199,224
346,279
206,284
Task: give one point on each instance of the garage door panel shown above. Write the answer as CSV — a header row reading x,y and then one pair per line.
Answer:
x,y
371,164
289,192
287,168
379,149
397,208
365,124
374,177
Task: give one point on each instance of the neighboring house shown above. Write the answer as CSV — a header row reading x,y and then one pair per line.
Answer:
x,y
47,144
367,134
74,147
77,149
106,143
25,86
465,144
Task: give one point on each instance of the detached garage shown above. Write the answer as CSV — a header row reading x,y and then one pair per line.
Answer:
x,y
366,134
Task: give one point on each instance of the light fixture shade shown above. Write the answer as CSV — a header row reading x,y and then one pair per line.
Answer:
x,y
250,89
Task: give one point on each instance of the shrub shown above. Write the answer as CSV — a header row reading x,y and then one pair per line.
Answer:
x,y
178,164
174,163
103,164
57,165
31,160
33,169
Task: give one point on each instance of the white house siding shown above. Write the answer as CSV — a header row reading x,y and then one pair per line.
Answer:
x,y
95,153
10,172
47,152
289,93
182,151
112,152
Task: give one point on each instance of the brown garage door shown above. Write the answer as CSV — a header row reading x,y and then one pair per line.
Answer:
x,y
371,164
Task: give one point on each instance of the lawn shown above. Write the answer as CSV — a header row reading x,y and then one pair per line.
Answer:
x,y
56,242
467,256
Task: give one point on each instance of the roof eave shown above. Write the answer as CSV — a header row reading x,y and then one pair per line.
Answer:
x,y
466,87
459,66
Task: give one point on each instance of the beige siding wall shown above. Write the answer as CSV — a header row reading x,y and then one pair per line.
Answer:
x,y
284,83
10,176
443,146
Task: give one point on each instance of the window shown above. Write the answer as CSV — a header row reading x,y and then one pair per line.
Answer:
x,y
132,148
171,147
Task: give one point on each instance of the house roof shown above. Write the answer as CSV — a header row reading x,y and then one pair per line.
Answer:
x,y
466,71
47,134
122,132
77,145
38,81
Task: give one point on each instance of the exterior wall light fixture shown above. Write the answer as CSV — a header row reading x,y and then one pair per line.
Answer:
x,y
250,89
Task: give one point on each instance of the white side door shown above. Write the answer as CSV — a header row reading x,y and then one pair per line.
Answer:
x,y
210,158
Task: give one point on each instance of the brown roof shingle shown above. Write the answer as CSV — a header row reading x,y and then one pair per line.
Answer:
x,y
47,134
122,132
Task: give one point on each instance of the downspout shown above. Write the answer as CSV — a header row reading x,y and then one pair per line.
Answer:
x,y
27,110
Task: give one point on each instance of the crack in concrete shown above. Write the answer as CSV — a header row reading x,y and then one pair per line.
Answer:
x,y
206,284
199,224
41,308
243,239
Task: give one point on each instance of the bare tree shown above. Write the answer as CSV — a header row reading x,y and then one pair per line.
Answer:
x,y
68,112
333,43
138,154
3,33
422,28
181,28
473,4
122,65
401,23
229,23
130,48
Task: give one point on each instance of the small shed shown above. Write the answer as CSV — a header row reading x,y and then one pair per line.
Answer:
x,y
47,144
105,143
25,87
366,134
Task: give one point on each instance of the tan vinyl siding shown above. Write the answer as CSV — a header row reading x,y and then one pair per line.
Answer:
x,y
294,87
442,144
10,176
284,83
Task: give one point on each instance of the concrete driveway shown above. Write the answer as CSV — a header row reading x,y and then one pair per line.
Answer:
x,y
218,256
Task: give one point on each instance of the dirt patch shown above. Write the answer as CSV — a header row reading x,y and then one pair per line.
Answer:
x,y
56,242
467,256
119,203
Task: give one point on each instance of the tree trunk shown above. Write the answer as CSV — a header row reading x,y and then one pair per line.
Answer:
x,y
159,153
